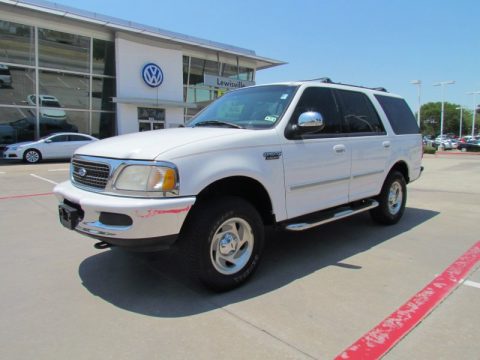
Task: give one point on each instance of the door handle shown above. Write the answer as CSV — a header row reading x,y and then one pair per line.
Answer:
x,y
386,144
339,148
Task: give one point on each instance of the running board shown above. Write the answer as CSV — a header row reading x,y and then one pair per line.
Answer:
x,y
342,213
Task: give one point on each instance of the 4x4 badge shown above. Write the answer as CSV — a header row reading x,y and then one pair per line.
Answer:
x,y
273,155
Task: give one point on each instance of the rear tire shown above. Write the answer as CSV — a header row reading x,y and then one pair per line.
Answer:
x,y
392,200
223,241
32,156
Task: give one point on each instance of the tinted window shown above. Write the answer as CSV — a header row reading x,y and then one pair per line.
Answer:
x,y
359,115
59,138
320,100
79,138
399,114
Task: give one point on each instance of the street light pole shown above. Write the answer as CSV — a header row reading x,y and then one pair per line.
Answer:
x,y
419,83
461,119
442,85
474,93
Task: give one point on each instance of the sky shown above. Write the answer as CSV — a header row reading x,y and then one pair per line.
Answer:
x,y
371,43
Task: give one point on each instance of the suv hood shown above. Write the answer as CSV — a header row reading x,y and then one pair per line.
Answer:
x,y
149,145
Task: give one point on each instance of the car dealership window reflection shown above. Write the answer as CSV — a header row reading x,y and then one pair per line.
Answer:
x,y
67,67
197,92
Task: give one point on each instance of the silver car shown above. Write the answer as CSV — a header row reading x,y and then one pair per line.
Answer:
x,y
55,146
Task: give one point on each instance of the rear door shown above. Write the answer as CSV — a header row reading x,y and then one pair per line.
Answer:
x,y
76,141
370,146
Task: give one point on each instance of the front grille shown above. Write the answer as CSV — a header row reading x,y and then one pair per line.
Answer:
x,y
90,174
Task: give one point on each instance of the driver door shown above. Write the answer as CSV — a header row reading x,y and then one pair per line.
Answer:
x,y
317,165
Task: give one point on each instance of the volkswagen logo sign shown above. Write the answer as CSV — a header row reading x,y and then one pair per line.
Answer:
x,y
152,75
82,172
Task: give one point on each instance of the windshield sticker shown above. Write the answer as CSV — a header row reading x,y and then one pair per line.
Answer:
x,y
284,97
271,118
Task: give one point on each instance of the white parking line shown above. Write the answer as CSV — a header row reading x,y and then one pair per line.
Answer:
x,y
41,178
472,284
63,82
53,170
28,76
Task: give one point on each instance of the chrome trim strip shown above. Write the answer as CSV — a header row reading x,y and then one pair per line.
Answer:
x,y
377,172
318,183
337,216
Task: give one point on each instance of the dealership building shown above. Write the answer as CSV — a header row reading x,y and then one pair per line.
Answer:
x,y
65,69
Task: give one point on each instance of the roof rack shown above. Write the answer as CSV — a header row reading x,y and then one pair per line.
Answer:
x,y
327,80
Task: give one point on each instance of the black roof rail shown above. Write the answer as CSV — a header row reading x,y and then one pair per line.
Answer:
x,y
327,80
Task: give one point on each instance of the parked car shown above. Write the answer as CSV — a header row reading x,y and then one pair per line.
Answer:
x,y
49,106
56,146
25,128
5,76
444,141
472,145
428,140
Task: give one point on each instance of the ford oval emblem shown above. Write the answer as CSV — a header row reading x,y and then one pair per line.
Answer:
x,y
82,172
152,75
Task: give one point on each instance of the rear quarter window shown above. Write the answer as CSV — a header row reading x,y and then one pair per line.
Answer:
x,y
399,115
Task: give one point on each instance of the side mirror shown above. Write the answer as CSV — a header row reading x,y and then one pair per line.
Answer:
x,y
310,121
48,141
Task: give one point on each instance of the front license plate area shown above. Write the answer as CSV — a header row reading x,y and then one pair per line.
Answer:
x,y
69,216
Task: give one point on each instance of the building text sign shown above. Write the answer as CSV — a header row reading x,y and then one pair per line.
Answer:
x,y
226,83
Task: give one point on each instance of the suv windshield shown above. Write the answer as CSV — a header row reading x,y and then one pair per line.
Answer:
x,y
258,107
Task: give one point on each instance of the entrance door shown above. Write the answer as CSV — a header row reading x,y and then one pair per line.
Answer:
x,y
151,119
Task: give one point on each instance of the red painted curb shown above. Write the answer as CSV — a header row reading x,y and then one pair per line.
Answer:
x,y
390,331
24,196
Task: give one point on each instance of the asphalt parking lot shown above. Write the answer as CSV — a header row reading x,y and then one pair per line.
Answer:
x,y
314,295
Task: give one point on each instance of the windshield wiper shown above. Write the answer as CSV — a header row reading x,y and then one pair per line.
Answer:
x,y
218,122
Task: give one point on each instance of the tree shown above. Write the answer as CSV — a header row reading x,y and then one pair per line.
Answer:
x,y
430,118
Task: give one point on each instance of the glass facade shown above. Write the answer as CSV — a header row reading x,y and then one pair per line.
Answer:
x,y
197,92
53,81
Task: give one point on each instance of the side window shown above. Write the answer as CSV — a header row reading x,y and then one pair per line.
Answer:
x,y
59,138
320,100
399,114
78,138
359,115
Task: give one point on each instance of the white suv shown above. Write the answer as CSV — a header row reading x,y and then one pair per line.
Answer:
x,y
50,107
295,155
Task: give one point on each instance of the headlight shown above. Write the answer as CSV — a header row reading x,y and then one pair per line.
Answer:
x,y
144,178
12,148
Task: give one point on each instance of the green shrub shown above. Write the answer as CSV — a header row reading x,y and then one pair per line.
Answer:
x,y
429,149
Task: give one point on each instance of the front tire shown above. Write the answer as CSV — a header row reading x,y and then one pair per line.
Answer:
x,y
392,200
224,241
32,156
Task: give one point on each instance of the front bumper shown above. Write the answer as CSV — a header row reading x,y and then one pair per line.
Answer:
x,y
151,219
12,154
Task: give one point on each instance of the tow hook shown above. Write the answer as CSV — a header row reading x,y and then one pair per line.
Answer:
x,y
102,245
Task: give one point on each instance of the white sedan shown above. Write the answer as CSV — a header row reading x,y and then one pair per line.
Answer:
x,y
55,146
